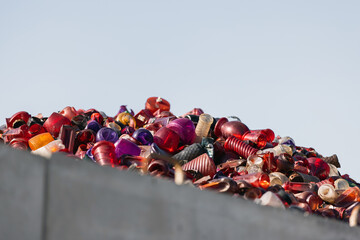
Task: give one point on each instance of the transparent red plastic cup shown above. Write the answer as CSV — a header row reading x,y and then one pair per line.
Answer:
x,y
167,139
104,153
258,138
54,123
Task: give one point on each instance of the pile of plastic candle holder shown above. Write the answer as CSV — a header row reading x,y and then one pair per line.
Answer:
x,y
218,154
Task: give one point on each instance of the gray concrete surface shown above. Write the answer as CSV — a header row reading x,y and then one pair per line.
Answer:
x,y
21,194
85,201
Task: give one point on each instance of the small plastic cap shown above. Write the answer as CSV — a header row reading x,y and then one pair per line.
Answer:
x,y
107,134
144,136
277,178
327,193
47,150
40,140
341,184
155,103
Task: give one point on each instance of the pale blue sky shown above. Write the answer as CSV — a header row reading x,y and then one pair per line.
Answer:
x,y
292,66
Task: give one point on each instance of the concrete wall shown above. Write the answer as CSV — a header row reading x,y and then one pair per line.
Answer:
x,y
22,200
64,198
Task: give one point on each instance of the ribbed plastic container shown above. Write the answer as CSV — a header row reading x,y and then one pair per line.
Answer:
x,y
203,126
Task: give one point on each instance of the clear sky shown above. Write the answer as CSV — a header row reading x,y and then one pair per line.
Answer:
x,y
292,66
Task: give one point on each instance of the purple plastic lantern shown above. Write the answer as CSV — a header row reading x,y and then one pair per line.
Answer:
x,y
143,136
185,128
93,125
124,146
107,134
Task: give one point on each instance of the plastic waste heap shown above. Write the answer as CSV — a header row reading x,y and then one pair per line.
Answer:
x,y
217,154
